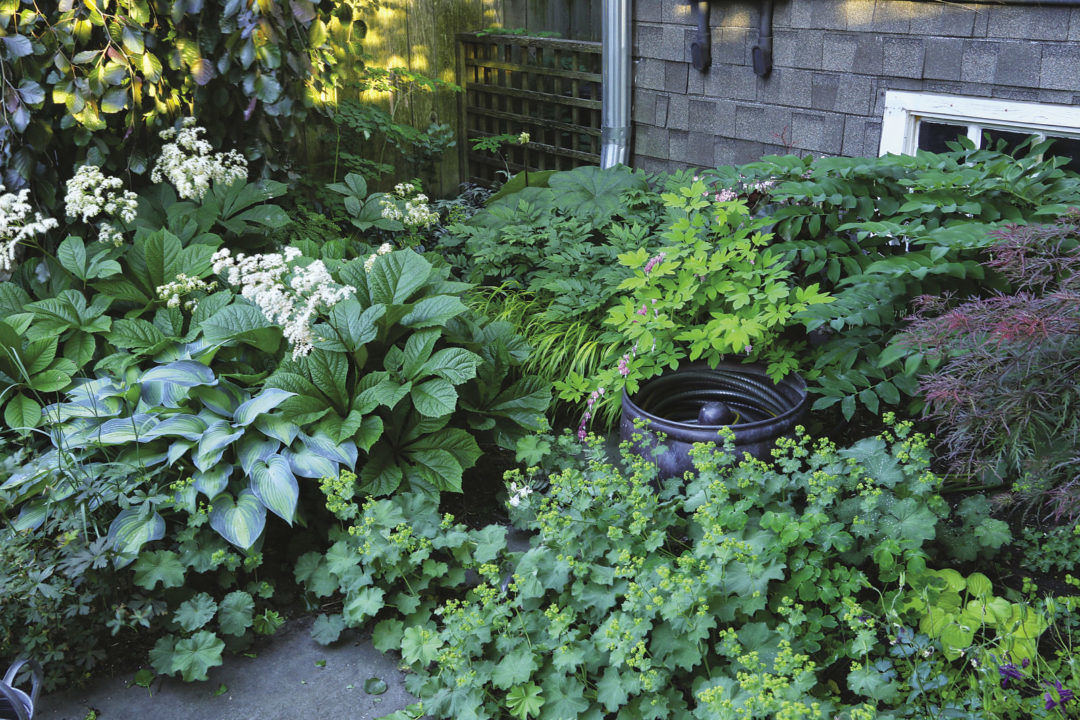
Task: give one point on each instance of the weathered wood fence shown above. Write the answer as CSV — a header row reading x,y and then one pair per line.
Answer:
x,y
545,87
421,35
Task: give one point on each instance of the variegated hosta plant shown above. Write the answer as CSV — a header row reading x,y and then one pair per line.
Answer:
x,y
237,458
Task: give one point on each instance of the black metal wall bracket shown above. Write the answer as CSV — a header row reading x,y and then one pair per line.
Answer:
x,y
701,44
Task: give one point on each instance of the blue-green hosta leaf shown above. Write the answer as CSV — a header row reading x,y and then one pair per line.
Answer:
x,y
239,521
119,431
456,365
434,398
252,449
193,656
178,449
31,516
433,311
222,399
235,613
261,404
396,276
306,463
275,486
189,427
132,528
195,612
320,444
186,373
277,427
215,439
213,481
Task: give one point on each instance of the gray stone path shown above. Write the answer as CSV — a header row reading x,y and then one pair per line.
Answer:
x,y
283,682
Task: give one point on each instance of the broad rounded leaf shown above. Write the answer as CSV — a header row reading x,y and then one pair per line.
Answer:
x,y
454,364
262,403
22,413
235,613
132,528
306,463
276,487
189,427
186,373
193,656
239,521
433,311
213,481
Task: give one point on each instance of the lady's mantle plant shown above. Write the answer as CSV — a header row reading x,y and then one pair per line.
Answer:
x,y
723,596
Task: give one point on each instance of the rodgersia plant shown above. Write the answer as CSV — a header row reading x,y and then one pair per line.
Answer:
x,y
18,224
288,293
190,164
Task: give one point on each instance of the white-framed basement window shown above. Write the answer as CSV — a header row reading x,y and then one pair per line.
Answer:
x,y
925,121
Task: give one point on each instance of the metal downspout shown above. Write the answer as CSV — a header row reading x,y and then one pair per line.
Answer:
x,y
615,76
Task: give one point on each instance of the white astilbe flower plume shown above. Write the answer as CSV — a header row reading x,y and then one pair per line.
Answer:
x,y
288,295
190,163
18,224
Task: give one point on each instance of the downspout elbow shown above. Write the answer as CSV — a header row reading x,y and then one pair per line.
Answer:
x,y
763,51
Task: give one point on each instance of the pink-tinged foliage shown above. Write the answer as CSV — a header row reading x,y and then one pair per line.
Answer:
x,y
1006,394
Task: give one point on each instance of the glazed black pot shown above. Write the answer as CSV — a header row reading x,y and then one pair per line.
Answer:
x,y
692,404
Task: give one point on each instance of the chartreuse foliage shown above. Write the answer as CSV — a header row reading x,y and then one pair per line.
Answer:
x,y
714,290
393,365
743,592
84,77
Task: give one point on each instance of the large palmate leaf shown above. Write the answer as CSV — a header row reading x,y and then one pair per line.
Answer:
x,y
351,326
595,194
240,520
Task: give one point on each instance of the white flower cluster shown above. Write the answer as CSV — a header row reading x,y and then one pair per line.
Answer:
x,y
523,138
370,262
172,293
518,493
17,224
288,295
91,193
190,163
411,210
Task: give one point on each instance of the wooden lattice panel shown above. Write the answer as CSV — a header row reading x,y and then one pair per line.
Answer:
x,y
547,88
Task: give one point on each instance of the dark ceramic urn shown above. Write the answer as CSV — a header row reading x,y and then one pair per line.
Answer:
x,y
692,404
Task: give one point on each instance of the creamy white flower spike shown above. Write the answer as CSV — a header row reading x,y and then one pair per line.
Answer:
x,y
173,293
92,194
191,165
288,295
18,223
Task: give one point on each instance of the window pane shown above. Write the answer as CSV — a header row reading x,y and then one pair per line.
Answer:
x,y
1067,147
933,136
1009,139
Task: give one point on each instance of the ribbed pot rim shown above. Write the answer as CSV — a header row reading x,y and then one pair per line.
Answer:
x,y
792,384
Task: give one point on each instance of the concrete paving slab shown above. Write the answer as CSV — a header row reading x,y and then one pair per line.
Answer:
x,y
284,681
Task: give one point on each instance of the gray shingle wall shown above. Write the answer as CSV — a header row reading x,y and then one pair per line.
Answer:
x,y
833,60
